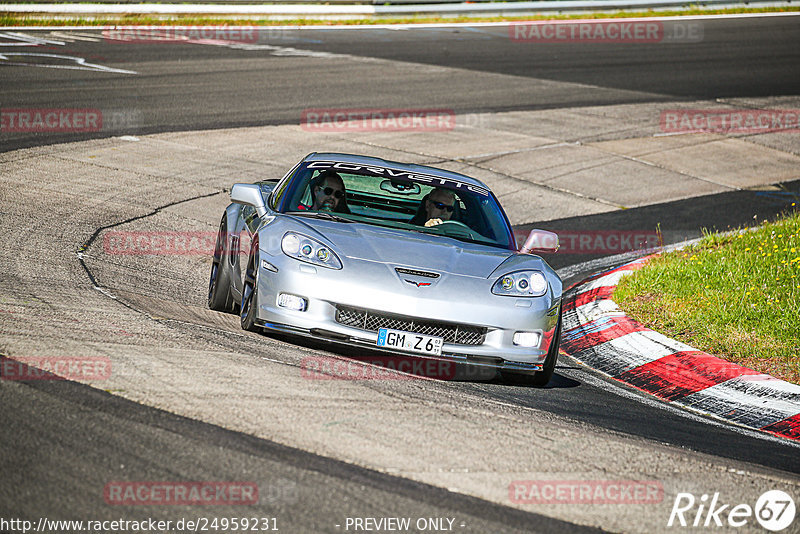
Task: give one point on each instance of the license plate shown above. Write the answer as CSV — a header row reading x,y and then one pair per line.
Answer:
x,y
410,341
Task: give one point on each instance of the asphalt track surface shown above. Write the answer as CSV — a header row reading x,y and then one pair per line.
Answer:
x,y
198,87
61,440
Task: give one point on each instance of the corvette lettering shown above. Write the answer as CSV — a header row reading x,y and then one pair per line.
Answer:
x,y
413,272
382,171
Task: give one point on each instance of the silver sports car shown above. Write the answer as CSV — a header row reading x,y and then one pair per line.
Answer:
x,y
396,257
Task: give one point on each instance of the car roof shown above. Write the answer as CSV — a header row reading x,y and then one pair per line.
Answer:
x,y
394,165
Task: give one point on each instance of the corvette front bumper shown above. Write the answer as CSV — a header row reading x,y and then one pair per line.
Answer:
x,y
455,300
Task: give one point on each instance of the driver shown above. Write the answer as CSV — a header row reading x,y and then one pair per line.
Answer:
x,y
328,193
436,208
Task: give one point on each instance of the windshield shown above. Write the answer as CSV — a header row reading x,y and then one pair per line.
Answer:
x,y
397,199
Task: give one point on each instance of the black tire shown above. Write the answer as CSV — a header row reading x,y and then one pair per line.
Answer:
x,y
542,378
247,310
220,297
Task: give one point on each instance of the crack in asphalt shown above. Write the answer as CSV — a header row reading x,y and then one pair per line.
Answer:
x,y
86,244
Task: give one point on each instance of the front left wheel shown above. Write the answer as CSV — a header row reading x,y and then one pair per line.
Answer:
x,y
541,378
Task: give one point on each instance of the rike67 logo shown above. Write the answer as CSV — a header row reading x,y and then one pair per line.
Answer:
x,y
774,510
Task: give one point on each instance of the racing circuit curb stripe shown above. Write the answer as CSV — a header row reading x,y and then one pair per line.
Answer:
x,y
587,297
599,334
789,428
682,373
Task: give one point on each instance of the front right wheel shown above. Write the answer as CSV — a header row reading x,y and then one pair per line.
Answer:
x,y
249,306
219,283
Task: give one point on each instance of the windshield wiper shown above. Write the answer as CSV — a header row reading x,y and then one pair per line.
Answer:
x,y
320,215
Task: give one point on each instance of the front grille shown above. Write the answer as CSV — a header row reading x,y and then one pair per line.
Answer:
x,y
458,334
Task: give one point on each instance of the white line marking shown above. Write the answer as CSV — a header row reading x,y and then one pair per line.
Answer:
x,y
23,39
281,51
75,36
81,63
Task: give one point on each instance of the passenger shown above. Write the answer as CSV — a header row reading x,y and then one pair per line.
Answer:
x,y
435,208
328,193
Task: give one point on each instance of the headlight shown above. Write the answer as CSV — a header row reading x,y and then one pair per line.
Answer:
x,y
309,250
521,284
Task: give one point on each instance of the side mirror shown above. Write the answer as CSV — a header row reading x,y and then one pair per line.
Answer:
x,y
251,195
540,241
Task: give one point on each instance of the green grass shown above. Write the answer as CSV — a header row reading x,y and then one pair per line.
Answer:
x,y
735,296
33,20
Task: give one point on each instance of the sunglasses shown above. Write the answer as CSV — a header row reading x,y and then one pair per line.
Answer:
x,y
442,206
338,193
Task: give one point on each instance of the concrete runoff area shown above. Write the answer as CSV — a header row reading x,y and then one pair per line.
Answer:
x,y
168,351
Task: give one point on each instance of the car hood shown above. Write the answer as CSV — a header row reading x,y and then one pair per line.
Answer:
x,y
411,249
